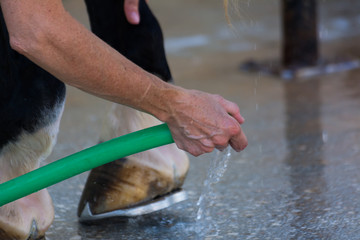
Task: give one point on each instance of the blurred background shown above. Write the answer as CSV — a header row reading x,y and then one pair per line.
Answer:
x,y
298,178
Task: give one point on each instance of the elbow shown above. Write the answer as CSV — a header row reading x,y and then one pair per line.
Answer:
x,y
29,24
18,44
27,44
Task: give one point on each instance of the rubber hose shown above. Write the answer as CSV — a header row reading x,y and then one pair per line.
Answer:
x,y
83,161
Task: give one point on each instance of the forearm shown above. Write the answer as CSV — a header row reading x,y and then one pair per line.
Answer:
x,y
44,32
65,48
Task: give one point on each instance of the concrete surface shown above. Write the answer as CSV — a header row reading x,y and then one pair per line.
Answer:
x,y
298,178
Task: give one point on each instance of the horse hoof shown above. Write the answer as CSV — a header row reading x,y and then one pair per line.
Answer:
x,y
129,182
27,218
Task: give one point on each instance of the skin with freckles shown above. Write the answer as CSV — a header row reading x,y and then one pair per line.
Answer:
x,y
58,43
220,122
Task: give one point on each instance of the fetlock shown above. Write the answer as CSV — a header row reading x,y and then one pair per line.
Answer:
x,y
29,217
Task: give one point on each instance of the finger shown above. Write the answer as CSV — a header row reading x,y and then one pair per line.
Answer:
x,y
207,143
222,148
131,8
238,118
195,151
239,142
234,111
197,148
221,142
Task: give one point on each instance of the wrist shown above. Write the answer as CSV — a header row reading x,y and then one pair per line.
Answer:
x,y
161,100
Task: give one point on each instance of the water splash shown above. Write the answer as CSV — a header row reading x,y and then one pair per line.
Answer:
x,y
204,226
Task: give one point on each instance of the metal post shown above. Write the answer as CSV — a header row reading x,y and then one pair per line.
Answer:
x,y
300,46
300,38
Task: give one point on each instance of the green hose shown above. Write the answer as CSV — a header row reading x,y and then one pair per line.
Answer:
x,y
83,161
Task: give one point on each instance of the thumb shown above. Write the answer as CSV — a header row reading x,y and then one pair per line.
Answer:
x,y
234,111
131,8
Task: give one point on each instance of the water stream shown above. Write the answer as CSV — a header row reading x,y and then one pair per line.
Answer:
x,y
204,225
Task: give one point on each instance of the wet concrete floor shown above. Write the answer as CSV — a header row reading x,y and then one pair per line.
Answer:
x,y
298,178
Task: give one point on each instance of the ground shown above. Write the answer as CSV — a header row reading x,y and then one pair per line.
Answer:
x,y
298,178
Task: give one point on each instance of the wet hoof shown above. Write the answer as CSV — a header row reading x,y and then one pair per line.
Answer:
x,y
128,182
27,218
137,179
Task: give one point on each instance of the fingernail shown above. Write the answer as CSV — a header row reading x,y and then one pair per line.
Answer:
x,y
135,17
207,143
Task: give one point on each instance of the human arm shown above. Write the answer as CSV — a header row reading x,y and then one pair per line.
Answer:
x,y
45,33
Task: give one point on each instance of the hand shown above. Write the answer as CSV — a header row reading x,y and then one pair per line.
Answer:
x,y
131,8
201,122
